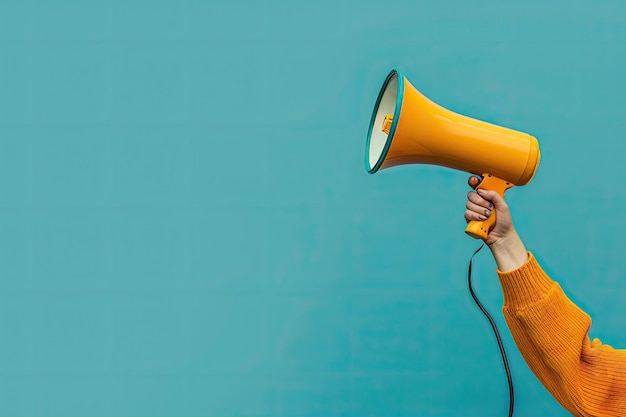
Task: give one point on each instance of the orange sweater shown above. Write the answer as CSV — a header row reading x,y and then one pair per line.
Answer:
x,y
587,378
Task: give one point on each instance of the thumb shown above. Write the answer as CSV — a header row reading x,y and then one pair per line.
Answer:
x,y
490,195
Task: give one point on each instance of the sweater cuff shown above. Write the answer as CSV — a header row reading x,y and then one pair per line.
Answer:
x,y
525,285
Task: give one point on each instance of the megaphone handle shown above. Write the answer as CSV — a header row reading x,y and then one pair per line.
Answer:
x,y
478,229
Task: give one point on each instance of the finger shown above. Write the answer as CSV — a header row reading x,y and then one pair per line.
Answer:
x,y
478,199
473,216
473,181
492,196
478,209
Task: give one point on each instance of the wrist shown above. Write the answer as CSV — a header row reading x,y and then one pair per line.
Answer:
x,y
509,252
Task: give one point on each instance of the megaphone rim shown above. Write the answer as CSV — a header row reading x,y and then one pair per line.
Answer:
x,y
396,116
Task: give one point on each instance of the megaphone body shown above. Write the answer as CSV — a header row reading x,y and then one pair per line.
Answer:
x,y
408,128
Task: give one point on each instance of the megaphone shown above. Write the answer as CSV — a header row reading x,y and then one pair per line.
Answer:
x,y
408,128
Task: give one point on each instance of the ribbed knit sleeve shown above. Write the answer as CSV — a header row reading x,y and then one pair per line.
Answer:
x,y
551,332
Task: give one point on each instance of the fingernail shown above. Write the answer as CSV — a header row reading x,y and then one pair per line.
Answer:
x,y
483,218
490,205
487,213
480,191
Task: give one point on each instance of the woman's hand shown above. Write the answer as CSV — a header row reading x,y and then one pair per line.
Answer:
x,y
481,204
507,248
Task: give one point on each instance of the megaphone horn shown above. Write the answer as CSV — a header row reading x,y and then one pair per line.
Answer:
x,y
408,128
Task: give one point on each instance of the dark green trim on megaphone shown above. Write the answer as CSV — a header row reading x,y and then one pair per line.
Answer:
x,y
396,118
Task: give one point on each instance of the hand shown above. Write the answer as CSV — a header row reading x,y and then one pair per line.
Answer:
x,y
481,204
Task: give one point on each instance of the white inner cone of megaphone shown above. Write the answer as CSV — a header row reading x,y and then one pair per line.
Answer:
x,y
386,106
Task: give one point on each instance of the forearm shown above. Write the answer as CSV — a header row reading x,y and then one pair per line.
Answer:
x,y
550,333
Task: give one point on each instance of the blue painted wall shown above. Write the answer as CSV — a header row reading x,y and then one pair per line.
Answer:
x,y
187,227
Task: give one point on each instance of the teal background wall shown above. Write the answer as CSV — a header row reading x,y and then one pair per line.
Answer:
x,y
187,227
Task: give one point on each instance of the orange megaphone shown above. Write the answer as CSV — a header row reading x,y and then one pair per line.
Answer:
x,y
408,128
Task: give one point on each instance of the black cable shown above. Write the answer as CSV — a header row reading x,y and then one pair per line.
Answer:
x,y
495,331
